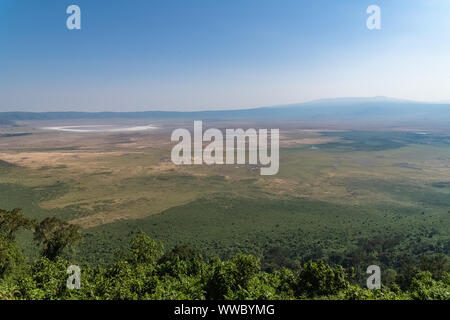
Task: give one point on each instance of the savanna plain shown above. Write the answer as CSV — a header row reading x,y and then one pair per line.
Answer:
x,y
344,195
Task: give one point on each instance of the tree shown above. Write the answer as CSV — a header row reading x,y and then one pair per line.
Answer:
x,y
424,287
11,221
231,279
10,255
55,235
144,250
437,264
319,279
184,252
183,255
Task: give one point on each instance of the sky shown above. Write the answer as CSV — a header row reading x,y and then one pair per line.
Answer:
x,y
140,55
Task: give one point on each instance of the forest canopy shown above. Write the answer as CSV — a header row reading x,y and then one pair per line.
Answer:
x,y
148,271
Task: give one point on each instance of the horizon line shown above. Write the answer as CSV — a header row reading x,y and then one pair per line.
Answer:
x,y
218,108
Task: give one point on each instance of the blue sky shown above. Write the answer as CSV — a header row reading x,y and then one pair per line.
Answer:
x,y
208,54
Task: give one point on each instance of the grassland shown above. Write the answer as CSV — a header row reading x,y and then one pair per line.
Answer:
x,y
335,187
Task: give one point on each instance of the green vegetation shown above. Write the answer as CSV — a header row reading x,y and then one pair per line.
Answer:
x,y
146,271
377,141
283,232
357,199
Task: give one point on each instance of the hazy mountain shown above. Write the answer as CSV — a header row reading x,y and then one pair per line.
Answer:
x,y
350,109
364,107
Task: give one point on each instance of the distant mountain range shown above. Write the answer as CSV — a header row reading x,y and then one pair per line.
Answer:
x,y
350,109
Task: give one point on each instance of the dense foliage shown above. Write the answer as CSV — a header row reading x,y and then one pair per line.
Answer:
x,y
146,271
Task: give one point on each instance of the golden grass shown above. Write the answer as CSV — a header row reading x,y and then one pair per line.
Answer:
x,y
105,173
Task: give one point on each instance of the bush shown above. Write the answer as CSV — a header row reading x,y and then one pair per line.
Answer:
x,y
319,279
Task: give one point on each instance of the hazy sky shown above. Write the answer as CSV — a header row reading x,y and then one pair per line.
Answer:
x,y
197,54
